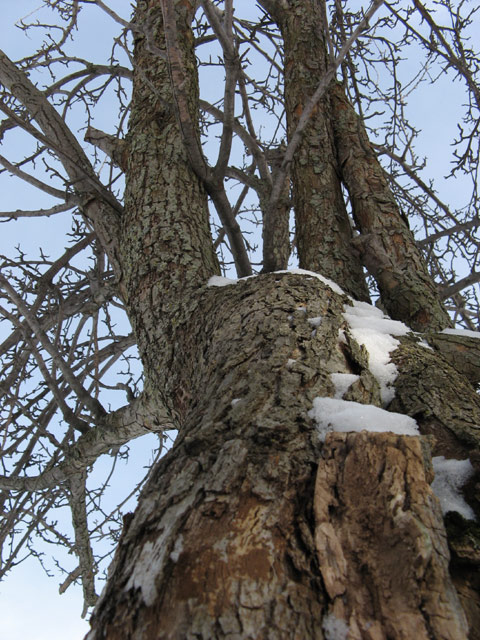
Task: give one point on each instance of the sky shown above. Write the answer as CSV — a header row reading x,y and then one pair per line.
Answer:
x,y
30,607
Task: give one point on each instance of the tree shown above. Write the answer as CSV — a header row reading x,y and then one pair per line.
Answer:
x,y
262,520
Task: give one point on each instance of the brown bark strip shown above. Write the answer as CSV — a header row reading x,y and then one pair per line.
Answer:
x,y
380,541
323,229
386,243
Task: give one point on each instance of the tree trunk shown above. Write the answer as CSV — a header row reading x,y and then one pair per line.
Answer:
x,y
386,243
250,528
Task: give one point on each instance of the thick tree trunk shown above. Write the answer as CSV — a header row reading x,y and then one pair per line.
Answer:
x,y
166,245
250,528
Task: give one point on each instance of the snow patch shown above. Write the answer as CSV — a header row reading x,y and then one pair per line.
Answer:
x,y
315,322
220,281
425,345
332,414
462,332
177,549
374,330
334,628
342,383
235,401
450,476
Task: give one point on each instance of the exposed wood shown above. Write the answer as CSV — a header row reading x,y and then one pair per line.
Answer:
x,y
380,541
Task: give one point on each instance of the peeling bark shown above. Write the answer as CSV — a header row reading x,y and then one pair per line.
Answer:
x,y
380,541
447,409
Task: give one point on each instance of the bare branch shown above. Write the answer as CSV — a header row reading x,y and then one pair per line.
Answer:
x,y
93,405
78,506
114,430
38,213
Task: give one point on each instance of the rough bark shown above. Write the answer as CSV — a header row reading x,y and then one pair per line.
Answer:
x,y
462,352
442,400
276,221
323,228
166,245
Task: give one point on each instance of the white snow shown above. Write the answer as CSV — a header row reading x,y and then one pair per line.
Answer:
x,y
235,401
315,322
177,549
373,329
332,414
462,332
220,281
334,628
342,383
450,476
425,345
